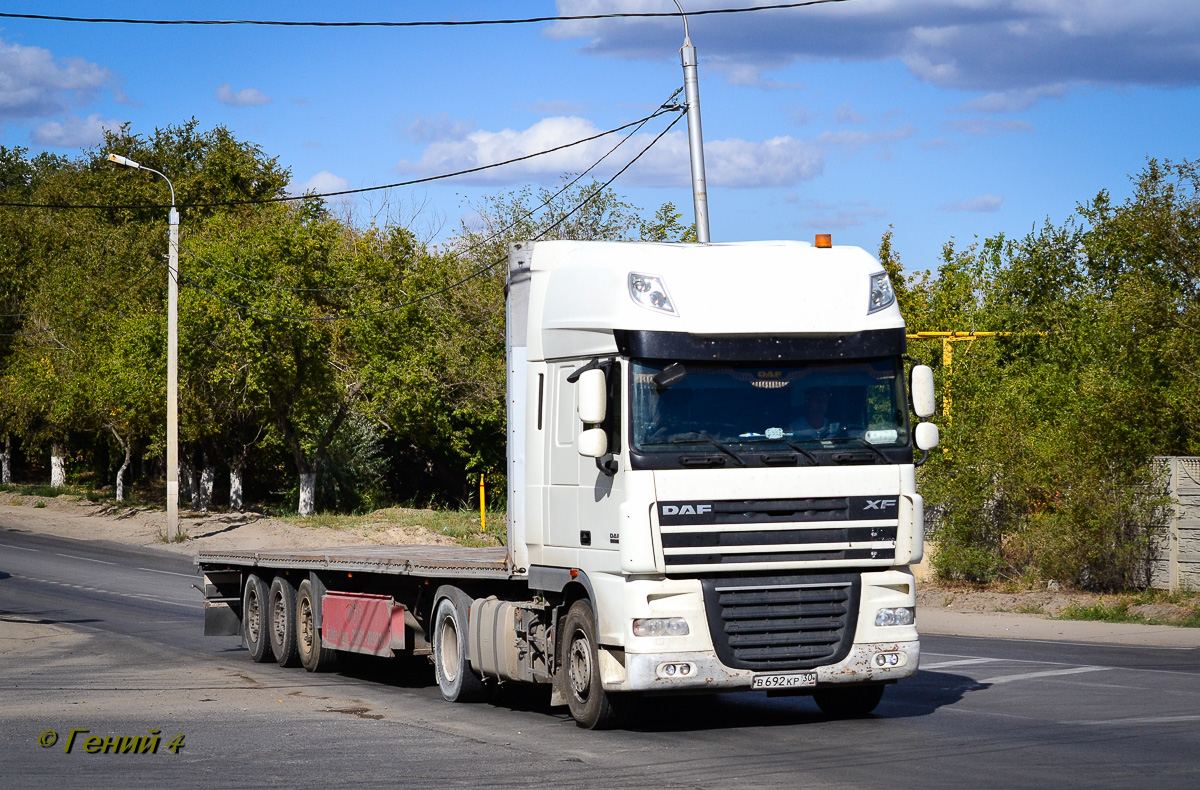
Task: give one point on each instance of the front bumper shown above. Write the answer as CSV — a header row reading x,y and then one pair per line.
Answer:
x,y
641,671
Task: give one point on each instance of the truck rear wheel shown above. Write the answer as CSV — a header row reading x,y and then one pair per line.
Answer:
x,y
454,676
591,706
313,655
850,702
255,620
282,609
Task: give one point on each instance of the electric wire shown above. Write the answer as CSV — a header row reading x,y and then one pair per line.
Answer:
x,y
136,281
479,272
420,23
470,248
308,195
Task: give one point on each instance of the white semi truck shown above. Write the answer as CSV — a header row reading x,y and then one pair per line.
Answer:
x,y
711,488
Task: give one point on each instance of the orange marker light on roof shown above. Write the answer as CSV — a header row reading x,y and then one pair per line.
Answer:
x,y
824,240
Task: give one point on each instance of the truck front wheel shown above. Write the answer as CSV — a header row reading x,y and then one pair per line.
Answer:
x,y
255,619
282,610
454,676
850,702
590,705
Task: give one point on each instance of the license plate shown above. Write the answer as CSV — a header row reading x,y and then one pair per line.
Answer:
x,y
789,680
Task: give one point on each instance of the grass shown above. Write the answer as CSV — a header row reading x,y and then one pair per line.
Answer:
x,y
1120,609
45,491
462,524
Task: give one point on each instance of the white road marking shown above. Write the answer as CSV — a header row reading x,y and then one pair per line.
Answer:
x,y
1046,674
18,548
1139,720
962,662
85,559
173,573
135,596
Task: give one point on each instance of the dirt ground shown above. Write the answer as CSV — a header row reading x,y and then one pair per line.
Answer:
x,y
75,517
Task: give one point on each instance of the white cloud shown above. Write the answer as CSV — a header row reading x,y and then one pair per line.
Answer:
x,y
246,97
33,85
847,114
432,128
983,203
983,127
75,132
322,183
1011,101
730,163
857,139
985,45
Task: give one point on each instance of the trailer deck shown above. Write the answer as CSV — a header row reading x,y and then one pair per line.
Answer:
x,y
436,561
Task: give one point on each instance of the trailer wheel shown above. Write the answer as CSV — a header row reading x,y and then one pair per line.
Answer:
x,y
454,675
313,655
850,702
255,620
282,608
591,706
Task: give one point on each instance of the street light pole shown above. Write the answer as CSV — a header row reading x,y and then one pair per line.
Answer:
x,y
691,88
172,351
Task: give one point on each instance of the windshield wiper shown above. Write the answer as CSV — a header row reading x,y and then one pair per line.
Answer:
x,y
704,437
800,450
861,442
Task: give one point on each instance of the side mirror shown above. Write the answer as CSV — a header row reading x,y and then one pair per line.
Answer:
x,y
592,443
927,436
593,396
923,397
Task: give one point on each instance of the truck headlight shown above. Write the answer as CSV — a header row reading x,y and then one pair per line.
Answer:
x,y
900,615
882,294
650,291
660,626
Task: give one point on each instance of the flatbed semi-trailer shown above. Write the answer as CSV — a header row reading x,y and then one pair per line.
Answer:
x,y
710,487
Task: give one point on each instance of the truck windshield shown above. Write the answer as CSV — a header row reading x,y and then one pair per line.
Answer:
x,y
811,405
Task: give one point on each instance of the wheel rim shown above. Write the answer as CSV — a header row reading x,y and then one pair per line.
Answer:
x,y
579,665
448,649
307,635
280,619
253,616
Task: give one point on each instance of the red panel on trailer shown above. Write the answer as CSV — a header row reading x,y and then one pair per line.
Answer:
x,y
362,623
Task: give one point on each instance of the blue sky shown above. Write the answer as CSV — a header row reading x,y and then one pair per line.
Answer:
x,y
942,118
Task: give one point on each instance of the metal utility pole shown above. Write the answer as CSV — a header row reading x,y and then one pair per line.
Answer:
x,y
691,92
172,351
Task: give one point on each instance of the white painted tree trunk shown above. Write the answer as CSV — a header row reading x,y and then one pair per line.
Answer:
x,y
308,493
235,486
121,476
186,487
58,467
6,461
206,487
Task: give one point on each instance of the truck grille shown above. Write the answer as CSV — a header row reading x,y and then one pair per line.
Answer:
x,y
775,623
714,535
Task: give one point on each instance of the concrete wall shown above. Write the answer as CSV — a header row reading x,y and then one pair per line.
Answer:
x,y
1177,544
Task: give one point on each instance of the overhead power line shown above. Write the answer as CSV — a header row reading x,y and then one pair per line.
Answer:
x,y
478,272
288,198
495,234
418,23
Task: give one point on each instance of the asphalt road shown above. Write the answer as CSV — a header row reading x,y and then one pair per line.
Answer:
x,y
108,638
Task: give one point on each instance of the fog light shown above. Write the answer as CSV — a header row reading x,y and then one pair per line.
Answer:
x,y
900,615
670,670
660,626
888,660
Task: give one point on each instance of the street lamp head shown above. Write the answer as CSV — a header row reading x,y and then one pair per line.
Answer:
x,y
121,160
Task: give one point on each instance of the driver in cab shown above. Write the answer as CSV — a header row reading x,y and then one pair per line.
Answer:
x,y
813,421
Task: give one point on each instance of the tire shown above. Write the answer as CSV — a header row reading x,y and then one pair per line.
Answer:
x,y
591,706
255,620
851,702
313,656
282,609
455,678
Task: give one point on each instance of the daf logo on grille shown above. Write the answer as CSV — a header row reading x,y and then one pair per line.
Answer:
x,y
686,510
879,504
